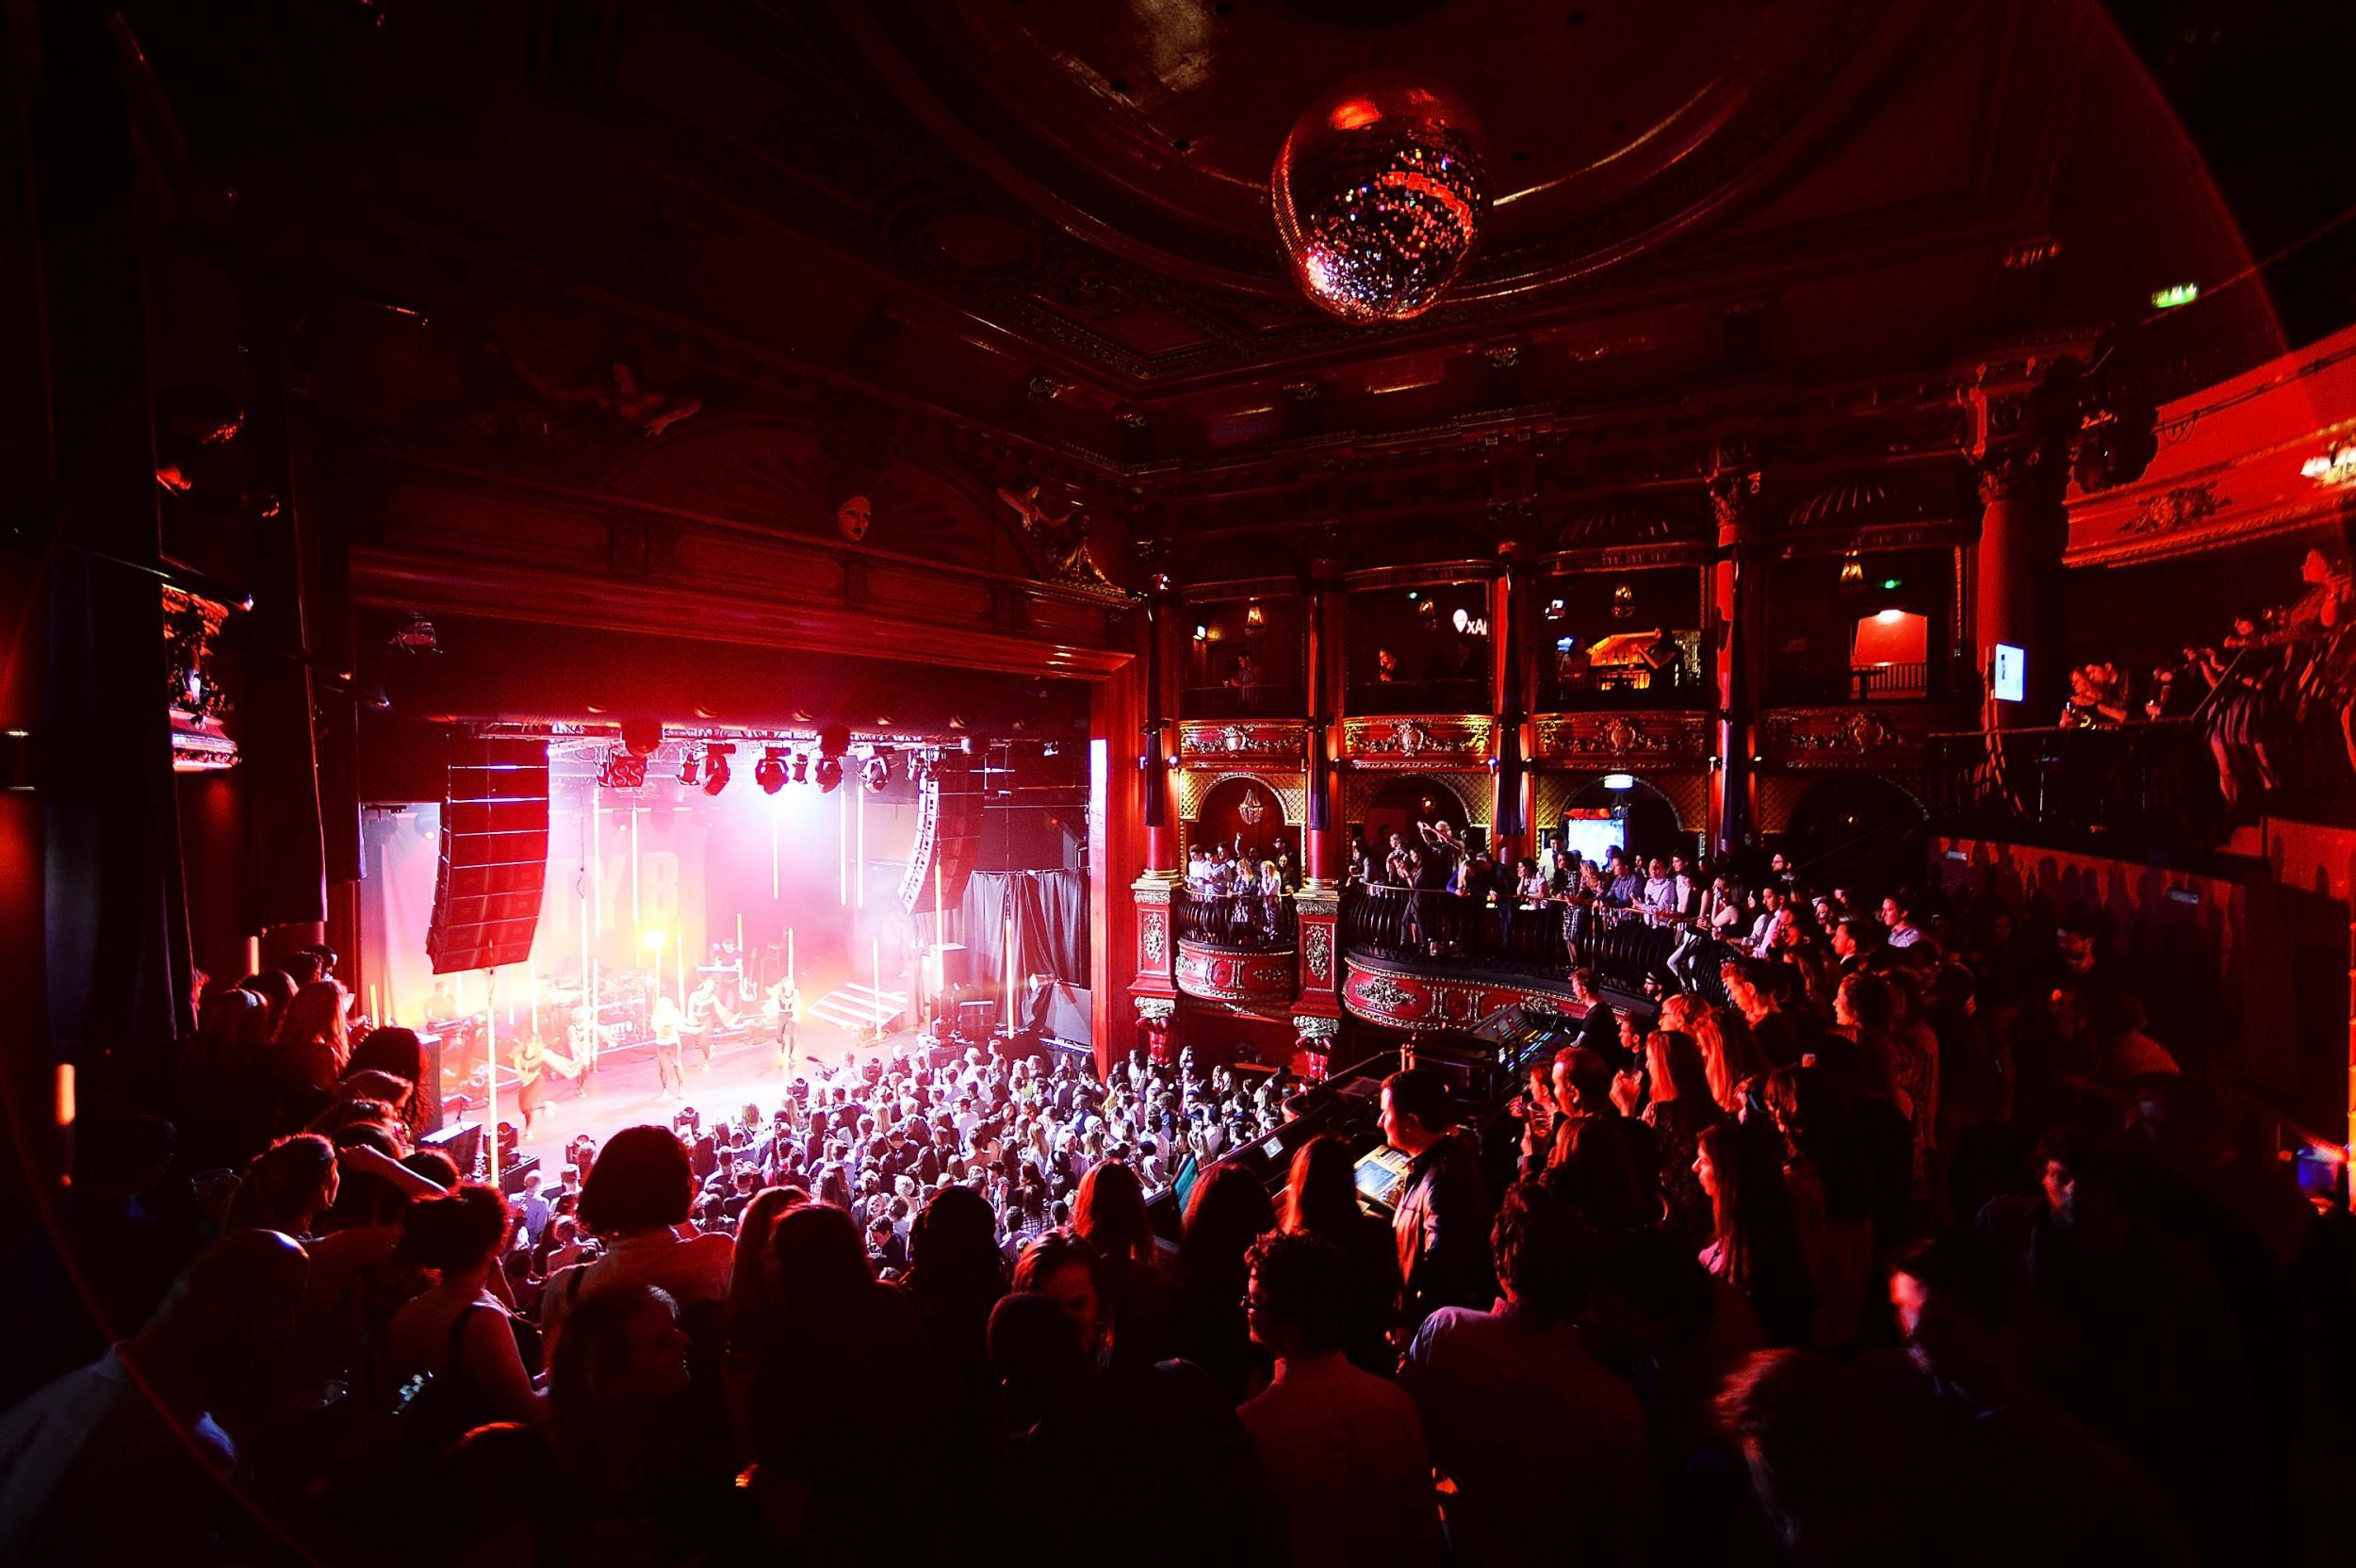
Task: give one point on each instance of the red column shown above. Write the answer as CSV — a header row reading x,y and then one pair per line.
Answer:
x,y
1737,610
2024,529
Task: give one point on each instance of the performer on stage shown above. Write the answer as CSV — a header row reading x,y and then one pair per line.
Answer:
x,y
529,1059
665,1020
786,998
703,1005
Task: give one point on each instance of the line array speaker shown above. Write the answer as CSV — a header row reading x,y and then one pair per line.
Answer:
x,y
495,854
948,830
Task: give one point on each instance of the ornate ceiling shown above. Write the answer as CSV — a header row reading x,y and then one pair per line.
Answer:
x,y
1038,229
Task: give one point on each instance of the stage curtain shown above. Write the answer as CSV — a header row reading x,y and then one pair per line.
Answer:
x,y
1050,928
1050,925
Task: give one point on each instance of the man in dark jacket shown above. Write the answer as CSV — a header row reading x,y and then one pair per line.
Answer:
x,y
1442,1223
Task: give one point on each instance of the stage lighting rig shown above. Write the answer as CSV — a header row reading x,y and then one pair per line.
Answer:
x,y
641,737
829,774
622,770
769,772
687,769
716,767
876,774
801,767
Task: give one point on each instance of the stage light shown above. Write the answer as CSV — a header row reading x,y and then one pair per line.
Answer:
x,y
654,939
2175,294
769,772
829,774
716,768
801,767
622,770
687,769
642,737
876,774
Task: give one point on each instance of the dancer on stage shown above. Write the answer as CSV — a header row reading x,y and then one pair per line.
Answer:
x,y
786,999
665,1023
703,1005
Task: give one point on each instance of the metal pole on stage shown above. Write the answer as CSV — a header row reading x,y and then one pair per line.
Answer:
x,y
491,1072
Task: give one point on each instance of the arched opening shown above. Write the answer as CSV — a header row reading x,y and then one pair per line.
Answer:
x,y
1857,827
1635,816
1248,817
1403,801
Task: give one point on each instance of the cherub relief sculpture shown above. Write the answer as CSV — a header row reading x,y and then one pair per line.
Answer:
x,y
618,396
1064,538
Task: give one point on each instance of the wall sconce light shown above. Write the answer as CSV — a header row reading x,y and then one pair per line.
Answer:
x,y
1623,602
1253,617
1201,633
1428,614
1851,571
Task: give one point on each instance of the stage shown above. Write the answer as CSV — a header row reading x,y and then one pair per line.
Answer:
x,y
623,1090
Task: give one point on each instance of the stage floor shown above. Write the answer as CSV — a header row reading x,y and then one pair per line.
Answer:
x,y
624,1092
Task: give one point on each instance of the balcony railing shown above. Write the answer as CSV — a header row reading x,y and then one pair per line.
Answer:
x,y
1245,923
1445,694
2152,784
1416,925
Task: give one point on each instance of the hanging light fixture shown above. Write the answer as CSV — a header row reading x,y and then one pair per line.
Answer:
x,y
769,772
715,767
1381,192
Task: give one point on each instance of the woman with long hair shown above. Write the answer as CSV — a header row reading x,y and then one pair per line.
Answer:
x,y
1753,1246
1109,1212
851,1398
1321,1200
1228,1211
956,1268
313,1048
1831,1188
1681,1110
1728,1061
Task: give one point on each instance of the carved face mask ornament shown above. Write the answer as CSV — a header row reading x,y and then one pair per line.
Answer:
x,y
853,517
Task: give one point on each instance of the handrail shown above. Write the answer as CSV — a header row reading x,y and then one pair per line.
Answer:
x,y
2153,782
1247,922
1427,925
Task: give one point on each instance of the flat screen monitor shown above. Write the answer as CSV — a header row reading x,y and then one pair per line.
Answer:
x,y
2009,674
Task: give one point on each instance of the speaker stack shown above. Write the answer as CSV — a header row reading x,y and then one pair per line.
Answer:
x,y
495,853
948,830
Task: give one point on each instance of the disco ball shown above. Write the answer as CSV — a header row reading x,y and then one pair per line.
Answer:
x,y
1381,192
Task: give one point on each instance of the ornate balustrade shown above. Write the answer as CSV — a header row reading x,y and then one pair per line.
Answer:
x,y
1236,948
1419,929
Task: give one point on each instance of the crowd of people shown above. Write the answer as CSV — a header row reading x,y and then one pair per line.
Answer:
x,y
1918,1248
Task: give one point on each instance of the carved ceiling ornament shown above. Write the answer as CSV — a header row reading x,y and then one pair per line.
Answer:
x,y
2186,506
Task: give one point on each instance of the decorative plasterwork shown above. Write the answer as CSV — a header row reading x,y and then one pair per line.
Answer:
x,y
1419,741
1223,975
1316,950
1212,743
1651,736
1156,1009
1860,737
1312,1027
1399,997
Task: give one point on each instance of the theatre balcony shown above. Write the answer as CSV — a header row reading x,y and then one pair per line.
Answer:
x,y
1236,948
1418,958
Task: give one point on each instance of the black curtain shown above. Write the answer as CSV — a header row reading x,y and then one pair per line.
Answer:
x,y
1050,925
